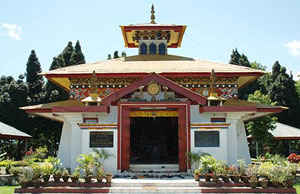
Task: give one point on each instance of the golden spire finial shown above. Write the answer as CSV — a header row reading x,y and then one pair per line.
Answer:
x,y
93,82
152,14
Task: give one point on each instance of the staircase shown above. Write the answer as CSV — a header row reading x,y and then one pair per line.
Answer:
x,y
173,185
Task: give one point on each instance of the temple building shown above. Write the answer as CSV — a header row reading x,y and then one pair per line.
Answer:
x,y
150,109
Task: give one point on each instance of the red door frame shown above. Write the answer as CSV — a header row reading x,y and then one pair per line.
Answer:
x,y
124,130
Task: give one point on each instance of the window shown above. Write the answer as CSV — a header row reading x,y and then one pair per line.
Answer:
x,y
161,49
143,49
152,49
217,120
90,120
207,139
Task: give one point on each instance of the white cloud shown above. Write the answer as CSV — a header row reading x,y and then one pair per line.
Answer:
x,y
294,47
13,31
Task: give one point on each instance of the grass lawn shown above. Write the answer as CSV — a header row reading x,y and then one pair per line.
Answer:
x,y
7,189
297,188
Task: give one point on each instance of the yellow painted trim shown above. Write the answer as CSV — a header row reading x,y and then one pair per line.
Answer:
x,y
124,36
181,35
154,114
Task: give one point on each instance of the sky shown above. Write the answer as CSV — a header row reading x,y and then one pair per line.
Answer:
x,y
265,31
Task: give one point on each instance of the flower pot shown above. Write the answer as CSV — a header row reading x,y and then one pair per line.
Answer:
x,y
245,179
196,177
253,184
207,177
276,184
236,178
108,178
65,178
226,179
264,184
290,184
37,184
215,178
57,177
74,179
88,179
99,179
46,178
24,184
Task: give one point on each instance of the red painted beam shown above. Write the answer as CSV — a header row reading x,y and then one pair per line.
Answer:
x,y
227,109
80,109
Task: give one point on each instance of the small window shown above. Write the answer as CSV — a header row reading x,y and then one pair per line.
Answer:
x,y
90,120
161,49
143,49
152,49
207,139
217,120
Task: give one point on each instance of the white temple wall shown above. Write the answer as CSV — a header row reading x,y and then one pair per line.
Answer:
x,y
65,145
243,149
111,163
196,118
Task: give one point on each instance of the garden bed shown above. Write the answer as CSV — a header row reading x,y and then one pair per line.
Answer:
x,y
62,190
223,184
247,190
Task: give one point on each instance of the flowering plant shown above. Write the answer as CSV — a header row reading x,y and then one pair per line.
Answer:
x,y
294,158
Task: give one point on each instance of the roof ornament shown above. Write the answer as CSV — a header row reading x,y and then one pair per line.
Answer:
x,y
213,88
93,98
152,15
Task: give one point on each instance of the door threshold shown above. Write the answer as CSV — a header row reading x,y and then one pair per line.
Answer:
x,y
154,167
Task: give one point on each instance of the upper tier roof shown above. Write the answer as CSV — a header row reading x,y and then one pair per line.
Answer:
x,y
166,65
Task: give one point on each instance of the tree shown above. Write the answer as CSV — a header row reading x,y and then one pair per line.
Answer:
x,y
77,56
67,53
237,59
281,89
260,128
108,56
116,54
123,54
34,79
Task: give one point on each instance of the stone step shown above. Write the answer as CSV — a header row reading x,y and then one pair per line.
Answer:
x,y
153,189
154,183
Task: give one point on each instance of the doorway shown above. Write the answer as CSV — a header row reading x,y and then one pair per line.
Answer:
x,y
154,140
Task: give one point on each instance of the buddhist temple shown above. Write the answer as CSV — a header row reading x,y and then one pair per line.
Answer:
x,y
151,109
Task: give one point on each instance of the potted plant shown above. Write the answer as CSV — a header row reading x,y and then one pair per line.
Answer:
x,y
25,178
47,170
75,175
290,180
87,164
108,176
195,158
263,182
206,166
16,171
57,175
234,173
277,176
65,175
100,174
224,174
253,181
243,170
8,165
197,174
37,173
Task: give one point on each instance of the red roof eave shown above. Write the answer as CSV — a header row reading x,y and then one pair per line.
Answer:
x,y
240,109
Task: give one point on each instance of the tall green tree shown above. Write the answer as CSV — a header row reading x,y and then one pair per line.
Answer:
x,y
260,128
281,89
34,80
67,53
239,59
116,55
77,56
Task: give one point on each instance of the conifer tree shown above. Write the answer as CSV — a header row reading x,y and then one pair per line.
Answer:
x,y
108,56
77,56
67,53
235,57
281,89
116,54
123,54
34,80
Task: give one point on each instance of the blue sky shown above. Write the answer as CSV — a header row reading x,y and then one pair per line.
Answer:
x,y
265,31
